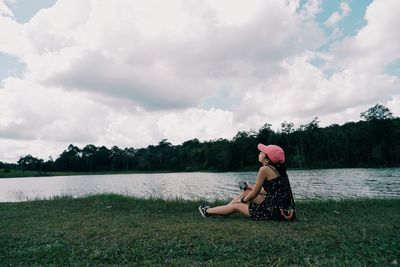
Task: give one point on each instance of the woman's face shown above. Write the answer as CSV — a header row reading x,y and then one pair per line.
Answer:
x,y
261,157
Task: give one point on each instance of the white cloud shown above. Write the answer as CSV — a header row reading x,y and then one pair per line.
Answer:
x,y
376,44
333,19
137,50
303,91
14,40
294,5
131,73
311,9
33,112
345,8
338,16
33,115
197,123
4,10
394,104
11,150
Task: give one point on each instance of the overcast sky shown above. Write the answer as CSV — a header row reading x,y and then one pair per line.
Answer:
x,y
131,73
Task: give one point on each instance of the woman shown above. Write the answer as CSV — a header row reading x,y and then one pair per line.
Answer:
x,y
271,196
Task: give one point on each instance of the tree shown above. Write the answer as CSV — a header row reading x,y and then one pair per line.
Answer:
x,y
287,127
30,163
70,159
116,155
163,153
130,160
49,164
242,148
218,156
354,144
312,125
89,157
298,161
103,159
377,112
265,133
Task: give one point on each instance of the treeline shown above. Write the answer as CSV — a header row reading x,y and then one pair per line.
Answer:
x,y
373,142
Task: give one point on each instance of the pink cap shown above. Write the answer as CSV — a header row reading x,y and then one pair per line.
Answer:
x,y
274,153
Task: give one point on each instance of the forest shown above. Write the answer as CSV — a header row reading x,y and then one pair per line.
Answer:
x,y
374,141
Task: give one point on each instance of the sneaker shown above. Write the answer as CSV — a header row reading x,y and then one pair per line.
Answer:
x,y
203,211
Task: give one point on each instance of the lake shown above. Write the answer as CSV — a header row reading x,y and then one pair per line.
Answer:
x,y
306,184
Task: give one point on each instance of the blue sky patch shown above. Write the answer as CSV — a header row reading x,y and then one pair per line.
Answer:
x,y
393,68
10,66
223,100
317,62
351,24
347,26
24,10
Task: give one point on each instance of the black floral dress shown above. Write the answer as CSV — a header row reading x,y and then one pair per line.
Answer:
x,y
279,197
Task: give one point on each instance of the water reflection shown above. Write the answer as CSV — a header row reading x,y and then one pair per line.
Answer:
x,y
306,184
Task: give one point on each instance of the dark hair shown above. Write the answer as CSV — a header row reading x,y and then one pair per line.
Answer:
x,y
280,167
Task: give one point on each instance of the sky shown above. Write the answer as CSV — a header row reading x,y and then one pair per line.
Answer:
x,y
131,73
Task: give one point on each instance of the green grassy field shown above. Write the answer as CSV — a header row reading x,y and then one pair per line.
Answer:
x,y
118,230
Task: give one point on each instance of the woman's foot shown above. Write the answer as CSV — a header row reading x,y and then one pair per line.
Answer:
x,y
203,211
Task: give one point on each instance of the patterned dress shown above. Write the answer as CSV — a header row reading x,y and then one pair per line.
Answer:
x,y
279,196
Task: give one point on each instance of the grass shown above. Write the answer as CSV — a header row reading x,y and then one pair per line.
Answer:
x,y
119,230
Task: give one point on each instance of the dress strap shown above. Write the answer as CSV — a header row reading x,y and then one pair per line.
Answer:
x,y
272,168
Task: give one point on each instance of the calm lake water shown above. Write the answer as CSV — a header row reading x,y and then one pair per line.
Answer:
x,y
306,184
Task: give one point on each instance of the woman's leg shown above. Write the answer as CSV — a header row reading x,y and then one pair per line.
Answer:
x,y
228,209
242,194
258,199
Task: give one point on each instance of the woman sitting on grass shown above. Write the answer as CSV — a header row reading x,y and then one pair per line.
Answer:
x,y
270,198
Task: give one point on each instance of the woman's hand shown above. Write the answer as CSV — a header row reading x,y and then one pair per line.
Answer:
x,y
289,216
238,200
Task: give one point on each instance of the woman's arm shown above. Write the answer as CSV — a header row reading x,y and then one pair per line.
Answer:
x,y
261,176
262,191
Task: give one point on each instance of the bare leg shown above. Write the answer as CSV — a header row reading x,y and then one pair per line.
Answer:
x,y
258,199
228,209
242,194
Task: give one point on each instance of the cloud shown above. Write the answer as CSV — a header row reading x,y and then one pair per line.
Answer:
x,y
375,45
158,59
14,40
350,79
338,16
131,73
31,112
311,9
11,150
197,123
306,91
4,10
57,117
